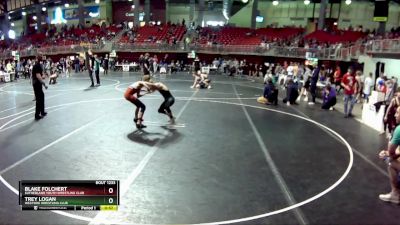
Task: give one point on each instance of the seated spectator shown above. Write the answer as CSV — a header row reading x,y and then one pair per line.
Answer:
x,y
329,97
291,93
391,156
270,95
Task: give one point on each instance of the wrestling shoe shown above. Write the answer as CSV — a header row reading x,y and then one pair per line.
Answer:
x,y
140,126
390,197
44,114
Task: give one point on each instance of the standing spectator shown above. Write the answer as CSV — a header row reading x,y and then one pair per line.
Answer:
x,y
197,65
37,83
379,82
68,66
155,64
392,158
313,85
291,92
389,120
360,83
329,98
368,84
89,61
105,64
18,69
96,68
337,78
306,84
290,71
76,64
146,65
349,85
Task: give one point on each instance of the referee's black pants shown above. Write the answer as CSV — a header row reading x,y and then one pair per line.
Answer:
x,y
39,95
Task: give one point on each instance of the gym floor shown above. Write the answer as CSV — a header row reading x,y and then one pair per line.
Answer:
x,y
228,159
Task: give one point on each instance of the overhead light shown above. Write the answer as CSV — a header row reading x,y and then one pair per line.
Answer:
x,y
92,14
44,9
9,17
58,17
66,5
129,0
133,6
348,2
11,34
23,13
245,1
335,23
307,2
34,17
12,24
275,2
97,1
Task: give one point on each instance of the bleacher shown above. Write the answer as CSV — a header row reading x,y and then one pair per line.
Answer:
x,y
339,36
154,34
245,36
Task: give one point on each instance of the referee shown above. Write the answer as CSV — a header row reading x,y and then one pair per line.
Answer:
x,y
89,61
38,82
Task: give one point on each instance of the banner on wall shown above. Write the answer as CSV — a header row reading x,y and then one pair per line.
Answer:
x,y
73,13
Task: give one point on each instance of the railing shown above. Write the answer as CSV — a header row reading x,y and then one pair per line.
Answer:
x,y
150,47
344,54
384,46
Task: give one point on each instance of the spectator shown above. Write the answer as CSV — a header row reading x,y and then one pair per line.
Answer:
x,y
313,85
379,82
349,85
291,93
391,157
389,120
360,83
306,83
368,84
329,97
76,64
270,93
105,64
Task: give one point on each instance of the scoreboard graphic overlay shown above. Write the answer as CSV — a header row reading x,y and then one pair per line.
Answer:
x,y
78,195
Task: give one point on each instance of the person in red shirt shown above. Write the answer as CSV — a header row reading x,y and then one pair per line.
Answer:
x,y
349,85
337,77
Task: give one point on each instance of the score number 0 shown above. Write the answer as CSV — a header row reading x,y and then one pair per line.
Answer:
x,y
110,191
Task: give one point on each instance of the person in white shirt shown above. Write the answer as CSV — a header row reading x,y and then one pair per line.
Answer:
x,y
379,81
368,84
9,67
290,70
